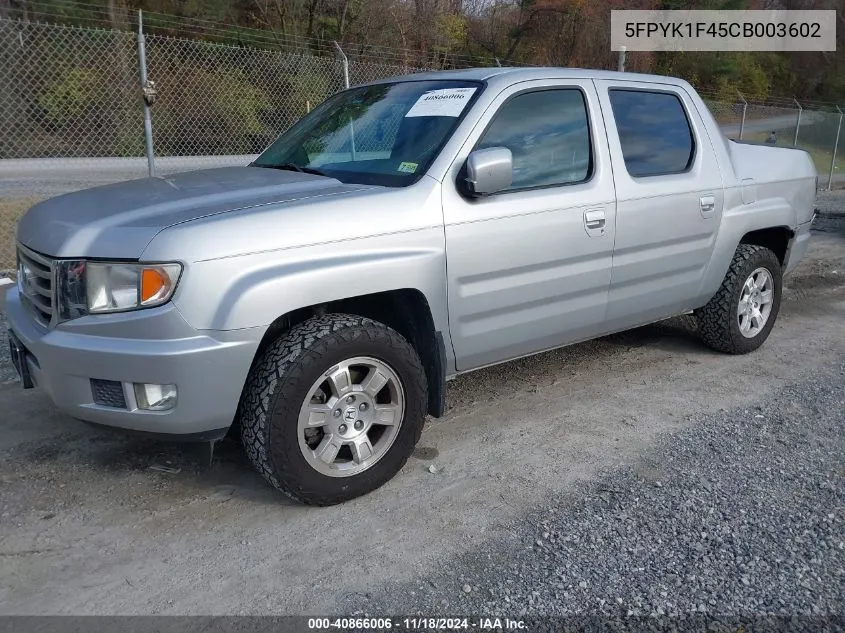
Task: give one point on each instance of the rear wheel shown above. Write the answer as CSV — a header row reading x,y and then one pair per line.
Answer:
x,y
742,313
333,409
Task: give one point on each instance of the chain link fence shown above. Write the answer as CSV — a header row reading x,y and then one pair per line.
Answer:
x,y
72,114
218,100
70,105
809,128
66,92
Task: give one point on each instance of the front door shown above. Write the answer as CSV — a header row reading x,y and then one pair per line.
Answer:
x,y
529,268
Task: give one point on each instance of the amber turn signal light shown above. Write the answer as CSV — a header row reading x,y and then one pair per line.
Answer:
x,y
155,284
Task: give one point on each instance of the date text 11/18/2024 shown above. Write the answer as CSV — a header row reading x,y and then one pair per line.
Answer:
x,y
417,623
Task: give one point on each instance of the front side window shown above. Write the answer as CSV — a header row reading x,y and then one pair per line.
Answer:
x,y
654,132
548,135
385,134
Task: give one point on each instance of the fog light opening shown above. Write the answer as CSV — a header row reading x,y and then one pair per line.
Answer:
x,y
155,397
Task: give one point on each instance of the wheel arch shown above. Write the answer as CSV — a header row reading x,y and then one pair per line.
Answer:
x,y
766,223
406,310
776,238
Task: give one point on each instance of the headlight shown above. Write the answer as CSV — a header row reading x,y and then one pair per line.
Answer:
x,y
97,287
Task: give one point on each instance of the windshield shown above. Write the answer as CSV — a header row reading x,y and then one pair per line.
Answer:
x,y
386,134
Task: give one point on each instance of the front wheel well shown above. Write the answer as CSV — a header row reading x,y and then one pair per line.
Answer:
x,y
405,310
776,239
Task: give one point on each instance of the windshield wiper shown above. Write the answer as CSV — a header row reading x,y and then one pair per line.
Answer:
x,y
295,167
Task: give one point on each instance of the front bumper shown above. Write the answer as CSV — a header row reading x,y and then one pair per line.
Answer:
x,y
148,346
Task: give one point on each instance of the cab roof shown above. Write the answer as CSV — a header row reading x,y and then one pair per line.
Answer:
x,y
512,75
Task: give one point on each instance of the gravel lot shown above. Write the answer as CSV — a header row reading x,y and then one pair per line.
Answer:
x,y
640,467
7,372
742,513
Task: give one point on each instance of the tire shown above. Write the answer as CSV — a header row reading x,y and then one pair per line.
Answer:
x,y
719,322
278,395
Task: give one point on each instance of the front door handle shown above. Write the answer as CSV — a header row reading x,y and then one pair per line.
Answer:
x,y
594,222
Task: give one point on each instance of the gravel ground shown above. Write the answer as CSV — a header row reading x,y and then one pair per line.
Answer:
x,y
7,372
743,513
831,203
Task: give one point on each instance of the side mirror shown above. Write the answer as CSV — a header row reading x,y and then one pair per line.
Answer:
x,y
488,171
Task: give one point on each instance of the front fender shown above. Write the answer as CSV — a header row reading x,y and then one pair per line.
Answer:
x,y
253,290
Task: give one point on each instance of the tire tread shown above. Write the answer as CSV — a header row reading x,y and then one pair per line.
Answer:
x,y
283,365
715,318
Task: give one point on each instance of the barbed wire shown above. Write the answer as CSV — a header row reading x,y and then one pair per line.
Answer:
x,y
204,28
189,27
770,100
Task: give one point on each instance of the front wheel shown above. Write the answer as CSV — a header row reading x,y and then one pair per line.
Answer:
x,y
742,313
333,409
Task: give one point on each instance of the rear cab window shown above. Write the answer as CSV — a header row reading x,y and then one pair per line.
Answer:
x,y
654,132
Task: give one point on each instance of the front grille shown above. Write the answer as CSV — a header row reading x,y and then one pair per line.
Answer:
x,y
108,393
35,282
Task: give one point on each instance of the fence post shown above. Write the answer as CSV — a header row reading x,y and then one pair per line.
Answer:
x,y
148,123
744,110
835,147
345,62
797,123
621,62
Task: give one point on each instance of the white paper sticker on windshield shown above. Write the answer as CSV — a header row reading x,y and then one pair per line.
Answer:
x,y
444,102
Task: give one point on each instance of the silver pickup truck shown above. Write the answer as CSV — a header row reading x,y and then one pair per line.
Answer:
x,y
317,300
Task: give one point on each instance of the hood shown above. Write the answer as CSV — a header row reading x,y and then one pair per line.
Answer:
x,y
119,220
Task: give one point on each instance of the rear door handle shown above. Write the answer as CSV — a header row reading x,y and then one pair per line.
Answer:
x,y
594,221
708,205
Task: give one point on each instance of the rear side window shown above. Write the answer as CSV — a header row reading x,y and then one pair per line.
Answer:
x,y
547,133
654,132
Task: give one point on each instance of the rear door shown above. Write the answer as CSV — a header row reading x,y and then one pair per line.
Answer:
x,y
669,200
529,267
